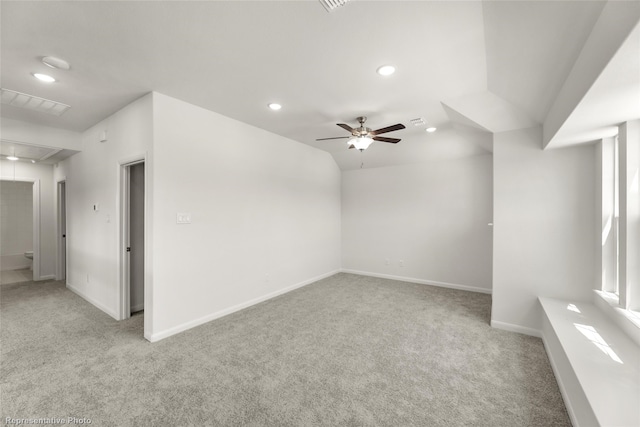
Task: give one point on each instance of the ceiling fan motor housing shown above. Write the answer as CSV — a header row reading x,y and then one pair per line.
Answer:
x,y
362,130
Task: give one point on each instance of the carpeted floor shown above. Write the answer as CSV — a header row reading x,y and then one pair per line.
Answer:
x,y
344,351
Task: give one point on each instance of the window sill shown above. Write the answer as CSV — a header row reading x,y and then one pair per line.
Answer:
x,y
627,320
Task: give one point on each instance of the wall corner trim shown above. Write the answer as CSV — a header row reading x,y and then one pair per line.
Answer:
x,y
516,328
154,337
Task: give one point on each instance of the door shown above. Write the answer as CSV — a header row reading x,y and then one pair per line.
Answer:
x,y
136,237
62,206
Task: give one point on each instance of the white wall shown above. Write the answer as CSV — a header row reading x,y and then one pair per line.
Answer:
x,y
92,178
545,224
265,215
431,216
45,136
44,175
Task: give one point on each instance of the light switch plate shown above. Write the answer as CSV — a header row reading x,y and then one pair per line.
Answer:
x,y
183,218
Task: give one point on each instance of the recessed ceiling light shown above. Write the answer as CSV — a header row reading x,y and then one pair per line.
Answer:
x,y
44,78
431,129
57,63
12,158
386,70
275,106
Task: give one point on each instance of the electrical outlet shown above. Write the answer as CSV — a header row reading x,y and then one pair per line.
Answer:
x,y
386,261
401,263
183,218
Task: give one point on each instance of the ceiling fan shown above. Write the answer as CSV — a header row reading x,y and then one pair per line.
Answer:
x,y
362,137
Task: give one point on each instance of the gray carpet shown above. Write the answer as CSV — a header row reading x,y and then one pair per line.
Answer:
x,y
344,351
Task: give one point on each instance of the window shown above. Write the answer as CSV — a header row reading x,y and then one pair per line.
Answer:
x,y
619,165
610,217
615,229
621,217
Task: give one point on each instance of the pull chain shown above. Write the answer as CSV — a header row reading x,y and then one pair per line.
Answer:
x,y
361,158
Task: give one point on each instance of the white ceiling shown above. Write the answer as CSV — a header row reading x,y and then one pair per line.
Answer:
x,y
29,153
531,47
234,57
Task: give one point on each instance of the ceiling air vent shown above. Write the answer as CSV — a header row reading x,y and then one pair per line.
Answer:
x,y
30,102
332,5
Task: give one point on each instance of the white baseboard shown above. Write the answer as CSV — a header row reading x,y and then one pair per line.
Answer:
x,y
419,281
47,277
92,301
138,307
516,328
154,337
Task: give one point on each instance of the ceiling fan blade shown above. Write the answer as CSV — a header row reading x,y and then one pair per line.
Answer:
x,y
387,129
345,127
383,139
352,146
336,137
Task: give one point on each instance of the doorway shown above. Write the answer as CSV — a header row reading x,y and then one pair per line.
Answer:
x,y
19,234
136,237
133,237
62,231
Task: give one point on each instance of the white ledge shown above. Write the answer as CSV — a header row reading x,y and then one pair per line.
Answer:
x,y
597,366
627,320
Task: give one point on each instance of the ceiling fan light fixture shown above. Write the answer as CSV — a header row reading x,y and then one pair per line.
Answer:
x,y
431,129
274,106
360,142
386,70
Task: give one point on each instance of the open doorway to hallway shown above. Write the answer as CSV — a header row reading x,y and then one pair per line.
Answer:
x,y
16,231
62,231
133,238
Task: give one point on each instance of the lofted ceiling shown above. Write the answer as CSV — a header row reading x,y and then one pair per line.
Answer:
x,y
467,68
617,87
